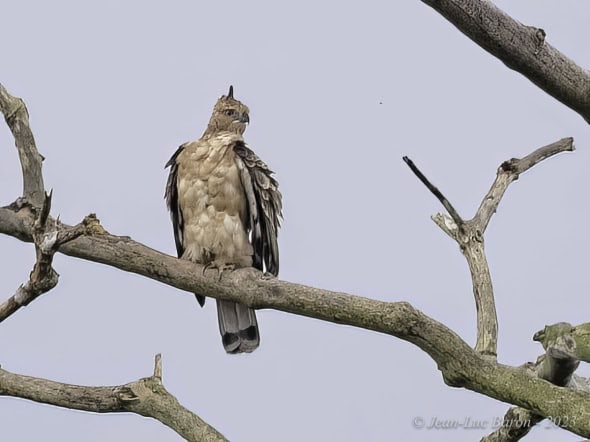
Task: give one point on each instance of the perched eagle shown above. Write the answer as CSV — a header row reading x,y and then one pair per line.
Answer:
x,y
225,208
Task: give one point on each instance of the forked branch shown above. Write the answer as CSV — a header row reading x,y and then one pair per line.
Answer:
x,y
48,236
146,397
469,235
436,192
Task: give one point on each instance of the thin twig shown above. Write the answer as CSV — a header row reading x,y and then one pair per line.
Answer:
x,y
158,367
437,193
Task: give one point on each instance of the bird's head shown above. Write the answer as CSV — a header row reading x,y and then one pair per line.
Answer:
x,y
229,114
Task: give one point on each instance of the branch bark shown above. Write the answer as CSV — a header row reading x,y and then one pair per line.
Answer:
x,y
521,48
16,116
146,397
561,343
510,171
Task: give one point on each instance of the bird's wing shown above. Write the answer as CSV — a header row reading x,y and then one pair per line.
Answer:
x,y
264,207
171,196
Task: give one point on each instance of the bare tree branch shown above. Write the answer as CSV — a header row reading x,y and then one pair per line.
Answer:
x,y
460,365
470,240
469,236
557,366
48,237
521,48
146,397
16,116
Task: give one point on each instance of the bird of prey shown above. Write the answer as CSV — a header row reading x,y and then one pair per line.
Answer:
x,y
225,208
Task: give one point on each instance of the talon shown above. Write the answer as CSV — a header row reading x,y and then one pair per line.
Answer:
x,y
207,267
268,276
220,268
225,267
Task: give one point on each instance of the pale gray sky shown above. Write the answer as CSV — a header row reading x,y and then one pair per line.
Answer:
x,y
338,93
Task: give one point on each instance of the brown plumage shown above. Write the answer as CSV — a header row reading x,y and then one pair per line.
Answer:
x,y
225,208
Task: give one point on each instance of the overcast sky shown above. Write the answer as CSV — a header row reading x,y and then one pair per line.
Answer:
x,y
338,93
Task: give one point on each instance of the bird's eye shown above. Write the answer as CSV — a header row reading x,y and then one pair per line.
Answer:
x,y
229,112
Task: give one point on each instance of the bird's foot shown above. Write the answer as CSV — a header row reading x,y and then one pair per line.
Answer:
x,y
225,267
268,276
208,266
221,267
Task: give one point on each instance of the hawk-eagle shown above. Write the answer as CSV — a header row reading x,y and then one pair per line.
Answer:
x,y
225,208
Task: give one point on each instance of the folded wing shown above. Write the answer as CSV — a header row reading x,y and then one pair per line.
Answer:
x,y
264,207
171,196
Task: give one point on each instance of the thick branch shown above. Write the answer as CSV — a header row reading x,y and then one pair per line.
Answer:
x,y
16,116
472,247
146,397
521,48
460,365
471,242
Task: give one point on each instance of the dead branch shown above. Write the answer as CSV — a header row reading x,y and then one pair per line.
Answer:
x,y
436,192
469,236
48,236
146,397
